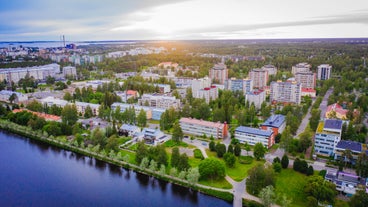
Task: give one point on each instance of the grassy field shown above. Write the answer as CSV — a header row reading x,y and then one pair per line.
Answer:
x,y
240,171
292,183
217,183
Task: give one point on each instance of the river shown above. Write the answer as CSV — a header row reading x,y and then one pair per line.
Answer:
x,y
35,174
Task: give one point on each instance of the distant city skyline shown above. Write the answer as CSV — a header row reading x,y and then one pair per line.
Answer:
x,y
83,20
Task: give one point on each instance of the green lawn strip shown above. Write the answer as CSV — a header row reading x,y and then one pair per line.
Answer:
x,y
123,140
240,171
171,143
217,183
194,162
131,155
291,184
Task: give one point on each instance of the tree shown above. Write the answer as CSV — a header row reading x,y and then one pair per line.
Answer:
x,y
177,135
258,178
211,168
212,146
305,140
142,118
237,150
285,161
286,139
145,162
162,155
320,189
141,152
229,159
69,114
50,80
267,196
359,199
183,163
277,167
220,150
314,119
259,151
13,98
285,201
88,112
98,137
153,165
362,165
276,160
310,170
175,156
193,175
230,149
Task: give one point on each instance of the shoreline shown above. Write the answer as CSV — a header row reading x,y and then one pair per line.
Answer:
x,y
11,127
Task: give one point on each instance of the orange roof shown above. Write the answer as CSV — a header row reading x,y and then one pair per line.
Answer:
x,y
201,122
131,92
43,115
337,108
309,90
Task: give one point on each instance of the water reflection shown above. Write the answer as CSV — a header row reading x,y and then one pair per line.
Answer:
x,y
142,179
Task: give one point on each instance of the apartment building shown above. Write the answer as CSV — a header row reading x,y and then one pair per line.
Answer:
x,y
159,101
19,97
259,78
275,123
81,107
37,72
285,92
328,134
137,108
219,73
253,136
271,69
256,97
198,84
324,72
244,85
301,67
307,79
69,71
355,148
199,128
209,93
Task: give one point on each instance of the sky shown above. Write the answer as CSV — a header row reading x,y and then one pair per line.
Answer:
x,y
83,20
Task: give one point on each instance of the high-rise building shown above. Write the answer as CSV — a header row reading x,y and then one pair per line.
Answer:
x,y
328,134
285,92
256,97
324,72
272,70
244,85
259,78
301,67
307,79
209,93
219,73
201,83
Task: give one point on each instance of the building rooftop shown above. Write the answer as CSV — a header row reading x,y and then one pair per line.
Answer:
x,y
255,92
350,145
201,122
275,121
129,127
333,124
337,108
309,90
254,131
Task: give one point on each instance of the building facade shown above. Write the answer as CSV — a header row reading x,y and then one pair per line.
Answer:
x,y
69,71
300,67
37,72
198,84
256,97
159,101
244,85
219,73
327,136
324,72
285,92
275,123
19,97
259,78
272,70
199,128
307,79
253,136
210,93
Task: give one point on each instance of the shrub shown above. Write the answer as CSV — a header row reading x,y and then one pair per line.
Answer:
x,y
198,154
277,167
246,159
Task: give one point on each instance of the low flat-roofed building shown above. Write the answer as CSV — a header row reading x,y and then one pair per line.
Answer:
x,y
253,136
129,130
156,113
355,148
275,123
81,107
159,101
328,134
19,97
53,101
152,136
199,128
137,108
346,183
308,92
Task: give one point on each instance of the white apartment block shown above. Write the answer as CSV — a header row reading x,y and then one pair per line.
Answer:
x,y
253,136
300,67
328,135
49,101
137,108
285,92
324,72
201,83
244,85
37,72
5,95
210,93
307,79
81,107
259,78
199,128
159,101
256,97
69,71
272,70
219,73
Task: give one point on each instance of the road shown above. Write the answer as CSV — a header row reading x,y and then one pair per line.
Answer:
x,y
305,121
323,105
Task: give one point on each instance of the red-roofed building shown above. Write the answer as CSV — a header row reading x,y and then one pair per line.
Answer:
x,y
199,128
336,111
47,117
309,92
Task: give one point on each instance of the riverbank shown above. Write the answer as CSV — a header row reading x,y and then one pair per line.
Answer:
x,y
39,136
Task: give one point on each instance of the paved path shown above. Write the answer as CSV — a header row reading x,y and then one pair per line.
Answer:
x,y
323,105
305,121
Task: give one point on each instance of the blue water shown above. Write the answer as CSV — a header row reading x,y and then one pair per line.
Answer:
x,y
35,174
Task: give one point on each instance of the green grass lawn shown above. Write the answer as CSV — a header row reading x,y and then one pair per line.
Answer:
x,y
291,184
171,143
131,155
217,183
194,162
240,171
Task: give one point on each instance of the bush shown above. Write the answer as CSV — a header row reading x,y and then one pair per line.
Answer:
x,y
277,167
246,159
212,146
322,173
276,160
229,159
198,154
285,161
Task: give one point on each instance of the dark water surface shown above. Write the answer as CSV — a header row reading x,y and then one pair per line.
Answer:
x,y
35,174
